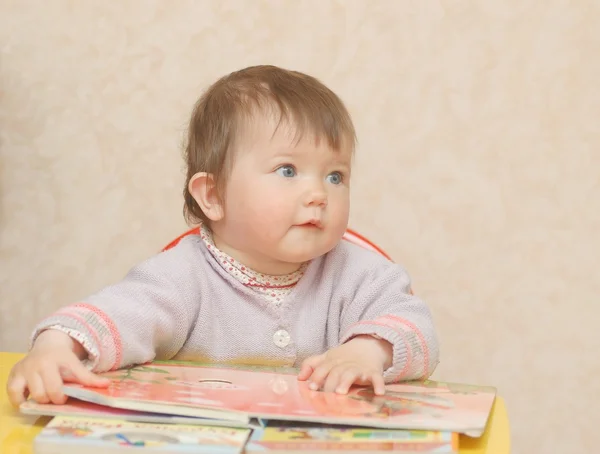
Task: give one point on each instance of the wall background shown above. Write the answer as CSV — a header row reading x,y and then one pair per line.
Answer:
x,y
477,168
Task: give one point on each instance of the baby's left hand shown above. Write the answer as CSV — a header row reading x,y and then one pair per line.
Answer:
x,y
360,361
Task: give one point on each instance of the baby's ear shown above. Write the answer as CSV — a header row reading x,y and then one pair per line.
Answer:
x,y
203,189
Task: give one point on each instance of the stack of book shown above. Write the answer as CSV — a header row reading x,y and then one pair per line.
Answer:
x,y
172,407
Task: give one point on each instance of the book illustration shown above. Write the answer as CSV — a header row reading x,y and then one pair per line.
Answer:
x,y
311,438
73,431
139,438
398,403
111,433
234,393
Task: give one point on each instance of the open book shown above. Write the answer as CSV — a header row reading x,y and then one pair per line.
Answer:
x,y
304,438
75,435
239,393
81,408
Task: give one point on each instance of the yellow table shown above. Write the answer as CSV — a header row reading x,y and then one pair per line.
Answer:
x,y
18,431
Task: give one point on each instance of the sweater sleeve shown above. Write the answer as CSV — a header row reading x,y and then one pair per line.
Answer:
x,y
146,315
384,306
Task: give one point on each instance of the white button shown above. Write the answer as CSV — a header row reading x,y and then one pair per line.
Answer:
x,y
281,338
279,386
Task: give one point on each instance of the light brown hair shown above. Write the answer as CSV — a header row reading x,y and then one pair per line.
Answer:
x,y
224,109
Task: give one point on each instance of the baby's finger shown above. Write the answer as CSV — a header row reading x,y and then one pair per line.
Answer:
x,y
348,378
309,365
37,390
378,383
53,383
16,388
333,379
85,377
319,375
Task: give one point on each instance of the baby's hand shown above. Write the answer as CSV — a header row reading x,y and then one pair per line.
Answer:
x,y
55,357
360,361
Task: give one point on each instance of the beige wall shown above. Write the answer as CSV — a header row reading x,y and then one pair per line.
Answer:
x,y
477,168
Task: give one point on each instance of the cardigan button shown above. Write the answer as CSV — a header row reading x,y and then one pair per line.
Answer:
x,y
281,338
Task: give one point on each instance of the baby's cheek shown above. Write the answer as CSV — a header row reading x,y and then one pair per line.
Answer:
x,y
339,217
277,208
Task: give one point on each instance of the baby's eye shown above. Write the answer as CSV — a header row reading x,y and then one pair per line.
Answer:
x,y
335,178
286,171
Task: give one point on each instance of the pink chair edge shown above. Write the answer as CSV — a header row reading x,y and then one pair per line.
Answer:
x,y
350,235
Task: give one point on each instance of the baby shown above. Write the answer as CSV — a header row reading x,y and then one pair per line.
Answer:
x,y
268,280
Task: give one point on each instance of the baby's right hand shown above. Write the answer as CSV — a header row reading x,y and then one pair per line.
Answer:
x,y
54,358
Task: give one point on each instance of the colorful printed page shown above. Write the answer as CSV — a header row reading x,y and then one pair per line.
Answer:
x,y
75,407
229,392
310,438
101,435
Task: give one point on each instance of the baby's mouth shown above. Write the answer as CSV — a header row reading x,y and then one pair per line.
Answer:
x,y
313,223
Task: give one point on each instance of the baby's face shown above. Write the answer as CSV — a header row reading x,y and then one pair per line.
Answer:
x,y
286,202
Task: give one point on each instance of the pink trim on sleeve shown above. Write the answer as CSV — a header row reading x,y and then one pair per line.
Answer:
x,y
98,319
66,313
409,358
419,335
114,332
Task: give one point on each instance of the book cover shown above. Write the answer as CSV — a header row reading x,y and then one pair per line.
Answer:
x,y
304,438
240,393
75,407
72,434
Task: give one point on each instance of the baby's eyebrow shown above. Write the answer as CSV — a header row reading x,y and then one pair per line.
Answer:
x,y
286,153
341,162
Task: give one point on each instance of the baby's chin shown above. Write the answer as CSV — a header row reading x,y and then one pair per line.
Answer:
x,y
302,255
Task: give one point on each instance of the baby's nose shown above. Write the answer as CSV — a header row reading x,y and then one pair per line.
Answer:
x,y
317,197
